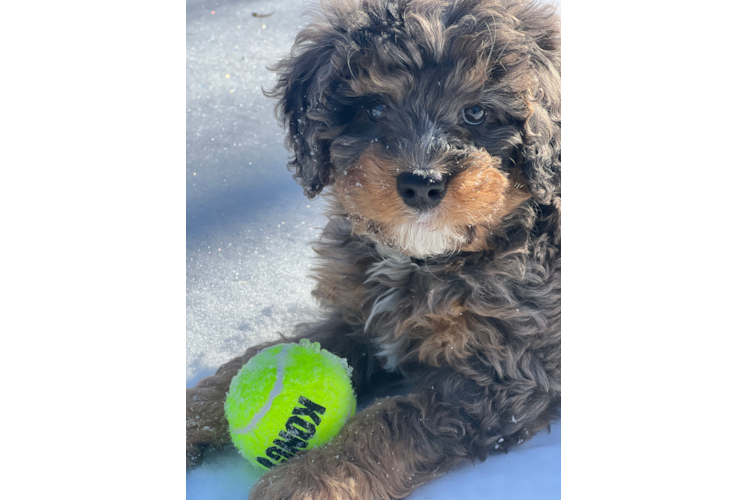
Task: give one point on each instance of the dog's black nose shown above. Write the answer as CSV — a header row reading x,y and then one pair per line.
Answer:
x,y
421,192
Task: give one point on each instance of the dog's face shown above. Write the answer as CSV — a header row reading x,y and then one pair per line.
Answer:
x,y
429,120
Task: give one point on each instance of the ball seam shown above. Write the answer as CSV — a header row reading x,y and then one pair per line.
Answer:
x,y
277,389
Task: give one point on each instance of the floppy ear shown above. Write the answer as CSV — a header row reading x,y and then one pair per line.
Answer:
x,y
542,127
304,78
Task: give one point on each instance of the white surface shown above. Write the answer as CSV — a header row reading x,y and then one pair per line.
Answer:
x,y
248,226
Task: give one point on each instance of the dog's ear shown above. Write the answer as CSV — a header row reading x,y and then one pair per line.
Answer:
x,y
303,79
541,129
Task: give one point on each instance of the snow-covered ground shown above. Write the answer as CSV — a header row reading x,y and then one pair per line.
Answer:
x,y
248,228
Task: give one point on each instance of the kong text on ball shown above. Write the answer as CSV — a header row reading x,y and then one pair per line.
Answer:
x,y
287,398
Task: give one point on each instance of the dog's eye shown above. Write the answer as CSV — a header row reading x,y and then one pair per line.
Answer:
x,y
474,115
377,112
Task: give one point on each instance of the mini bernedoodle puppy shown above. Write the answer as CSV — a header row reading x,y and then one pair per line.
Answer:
x,y
433,128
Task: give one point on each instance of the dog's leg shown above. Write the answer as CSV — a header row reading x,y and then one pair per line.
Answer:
x,y
206,422
398,444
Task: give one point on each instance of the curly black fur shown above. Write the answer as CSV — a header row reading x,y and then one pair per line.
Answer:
x,y
472,335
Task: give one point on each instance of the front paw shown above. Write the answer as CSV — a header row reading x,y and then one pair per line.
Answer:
x,y
318,474
194,454
206,423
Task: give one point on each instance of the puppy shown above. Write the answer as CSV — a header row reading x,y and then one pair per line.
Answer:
x,y
433,128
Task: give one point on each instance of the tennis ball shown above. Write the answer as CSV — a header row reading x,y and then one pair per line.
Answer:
x,y
287,398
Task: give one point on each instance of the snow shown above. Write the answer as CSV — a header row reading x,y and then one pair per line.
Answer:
x,y
248,224
248,228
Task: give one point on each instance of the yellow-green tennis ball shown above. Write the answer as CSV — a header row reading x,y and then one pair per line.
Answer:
x,y
287,398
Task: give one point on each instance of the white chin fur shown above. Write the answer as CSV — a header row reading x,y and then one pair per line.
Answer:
x,y
419,238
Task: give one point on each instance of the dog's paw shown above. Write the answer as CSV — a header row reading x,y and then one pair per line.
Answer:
x,y
206,423
315,475
194,455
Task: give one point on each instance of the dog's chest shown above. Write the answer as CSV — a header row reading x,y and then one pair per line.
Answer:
x,y
388,280
399,291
